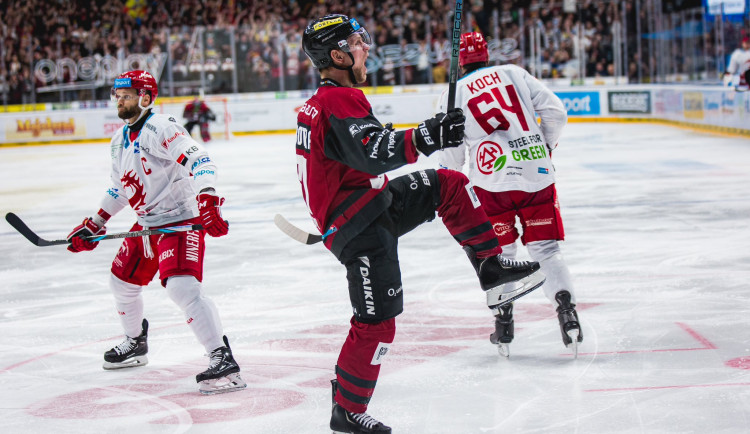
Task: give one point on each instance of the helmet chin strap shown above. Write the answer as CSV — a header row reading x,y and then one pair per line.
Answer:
x,y
350,69
143,110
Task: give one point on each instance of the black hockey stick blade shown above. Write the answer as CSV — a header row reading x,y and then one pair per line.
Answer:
x,y
294,232
455,46
35,239
30,235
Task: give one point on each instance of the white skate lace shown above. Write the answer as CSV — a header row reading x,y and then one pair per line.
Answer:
x,y
513,263
215,358
364,419
125,346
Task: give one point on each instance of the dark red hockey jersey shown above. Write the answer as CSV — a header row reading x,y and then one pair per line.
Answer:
x,y
198,111
343,153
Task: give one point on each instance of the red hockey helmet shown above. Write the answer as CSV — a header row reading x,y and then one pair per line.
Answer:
x,y
472,49
140,80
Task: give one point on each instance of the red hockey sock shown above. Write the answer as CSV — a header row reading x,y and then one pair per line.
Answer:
x,y
358,365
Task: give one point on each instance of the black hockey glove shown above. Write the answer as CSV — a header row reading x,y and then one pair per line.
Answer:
x,y
442,131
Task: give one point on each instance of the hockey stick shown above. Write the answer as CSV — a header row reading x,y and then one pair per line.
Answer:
x,y
294,232
35,239
455,46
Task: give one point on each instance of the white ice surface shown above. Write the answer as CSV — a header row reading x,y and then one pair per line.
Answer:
x,y
657,224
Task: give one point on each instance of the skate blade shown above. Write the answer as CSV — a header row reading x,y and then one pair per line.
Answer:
x,y
527,284
503,350
230,383
573,345
128,363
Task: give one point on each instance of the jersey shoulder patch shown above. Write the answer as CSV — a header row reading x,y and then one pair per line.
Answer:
x,y
159,121
115,145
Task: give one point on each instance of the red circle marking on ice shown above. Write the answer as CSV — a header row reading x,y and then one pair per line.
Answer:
x,y
143,399
739,363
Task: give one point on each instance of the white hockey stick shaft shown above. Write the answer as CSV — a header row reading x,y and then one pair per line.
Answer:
x,y
294,232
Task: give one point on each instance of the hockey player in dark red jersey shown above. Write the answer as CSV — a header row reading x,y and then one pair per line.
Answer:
x,y
343,153
198,113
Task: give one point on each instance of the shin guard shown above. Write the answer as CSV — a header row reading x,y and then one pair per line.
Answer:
x,y
358,365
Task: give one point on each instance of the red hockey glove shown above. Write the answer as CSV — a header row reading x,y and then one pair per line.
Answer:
x,y
208,205
85,229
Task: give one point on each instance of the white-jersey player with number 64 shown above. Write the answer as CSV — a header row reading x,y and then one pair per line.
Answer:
x,y
167,178
510,166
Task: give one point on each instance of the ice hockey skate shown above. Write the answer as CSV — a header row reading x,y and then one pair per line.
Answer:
x,y
130,353
570,327
343,421
223,373
503,335
505,280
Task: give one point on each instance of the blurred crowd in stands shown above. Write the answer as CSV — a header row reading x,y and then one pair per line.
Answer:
x,y
248,46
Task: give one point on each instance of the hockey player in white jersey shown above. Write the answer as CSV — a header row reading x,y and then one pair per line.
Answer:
x,y
738,69
512,173
168,179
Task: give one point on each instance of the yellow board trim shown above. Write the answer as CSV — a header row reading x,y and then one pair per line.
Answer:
x,y
17,108
729,131
725,131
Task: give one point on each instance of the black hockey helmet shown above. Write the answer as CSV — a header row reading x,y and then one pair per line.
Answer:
x,y
330,33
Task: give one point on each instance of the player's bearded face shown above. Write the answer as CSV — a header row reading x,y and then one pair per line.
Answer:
x,y
127,105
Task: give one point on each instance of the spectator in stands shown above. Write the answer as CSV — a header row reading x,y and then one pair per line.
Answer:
x,y
15,90
35,29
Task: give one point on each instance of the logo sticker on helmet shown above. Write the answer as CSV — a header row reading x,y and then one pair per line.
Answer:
x,y
122,82
326,23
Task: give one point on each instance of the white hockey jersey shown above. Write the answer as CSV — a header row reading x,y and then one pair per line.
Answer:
x,y
739,62
159,173
507,149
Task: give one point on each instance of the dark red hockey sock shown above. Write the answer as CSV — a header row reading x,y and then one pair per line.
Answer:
x,y
358,365
468,224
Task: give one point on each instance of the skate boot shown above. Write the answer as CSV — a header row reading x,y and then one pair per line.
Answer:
x,y
130,353
495,272
503,335
569,325
343,421
223,373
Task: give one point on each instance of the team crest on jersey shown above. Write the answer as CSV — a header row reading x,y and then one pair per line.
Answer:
x,y
490,158
138,197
